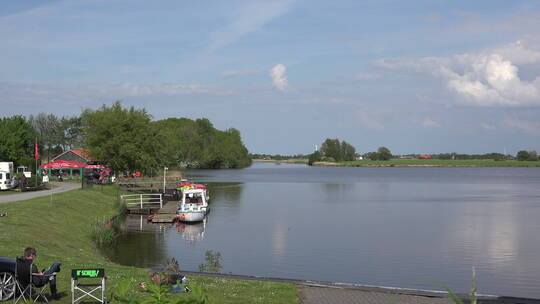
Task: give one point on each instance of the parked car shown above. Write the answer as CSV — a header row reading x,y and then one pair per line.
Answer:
x,y
7,278
14,182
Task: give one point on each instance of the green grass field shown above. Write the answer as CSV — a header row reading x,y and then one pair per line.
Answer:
x,y
60,231
437,163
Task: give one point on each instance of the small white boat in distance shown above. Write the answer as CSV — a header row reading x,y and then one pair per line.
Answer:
x,y
194,204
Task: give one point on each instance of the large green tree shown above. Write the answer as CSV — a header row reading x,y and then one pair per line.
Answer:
x,y
339,151
197,144
16,140
123,138
383,153
522,155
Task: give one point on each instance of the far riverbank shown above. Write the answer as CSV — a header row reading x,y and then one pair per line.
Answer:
x,y
430,163
285,161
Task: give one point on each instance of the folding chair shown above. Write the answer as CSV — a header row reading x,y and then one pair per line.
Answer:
x,y
95,289
25,284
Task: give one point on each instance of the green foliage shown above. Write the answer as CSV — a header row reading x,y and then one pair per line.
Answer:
x,y
56,134
314,157
527,155
473,294
102,232
339,151
157,294
522,155
532,156
458,156
383,153
123,138
16,141
197,144
372,156
295,157
212,262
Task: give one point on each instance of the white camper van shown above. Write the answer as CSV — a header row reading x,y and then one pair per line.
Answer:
x,y
5,180
6,167
6,172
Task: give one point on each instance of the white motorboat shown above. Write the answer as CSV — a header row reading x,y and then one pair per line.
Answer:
x,y
194,203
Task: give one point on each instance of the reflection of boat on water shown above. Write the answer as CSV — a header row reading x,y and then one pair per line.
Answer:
x,y
194,203
192,232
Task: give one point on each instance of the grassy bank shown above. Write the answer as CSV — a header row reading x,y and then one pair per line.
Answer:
x,y
432,163
60,231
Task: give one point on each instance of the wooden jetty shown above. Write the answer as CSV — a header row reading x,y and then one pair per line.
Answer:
x,y
162,207
158,198
167,214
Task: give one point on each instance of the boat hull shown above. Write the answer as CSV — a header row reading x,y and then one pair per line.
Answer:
x,y
191,216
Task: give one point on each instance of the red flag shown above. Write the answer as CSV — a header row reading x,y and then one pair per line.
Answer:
x,y
36,153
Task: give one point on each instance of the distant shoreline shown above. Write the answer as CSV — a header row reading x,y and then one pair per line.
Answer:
x,y
286,161
416,163
421,163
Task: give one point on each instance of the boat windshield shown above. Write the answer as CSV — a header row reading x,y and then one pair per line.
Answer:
x,y
193,198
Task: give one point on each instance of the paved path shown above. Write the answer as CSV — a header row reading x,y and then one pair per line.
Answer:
x,y
327,295
58,187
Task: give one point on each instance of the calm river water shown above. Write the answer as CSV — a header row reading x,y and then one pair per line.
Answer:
x,y
401,227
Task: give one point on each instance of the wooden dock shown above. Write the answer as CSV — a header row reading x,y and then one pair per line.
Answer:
x,y
167,214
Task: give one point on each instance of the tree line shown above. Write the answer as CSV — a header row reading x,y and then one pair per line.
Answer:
x,y
125,139
333,150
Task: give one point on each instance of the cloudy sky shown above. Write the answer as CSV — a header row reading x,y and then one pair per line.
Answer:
x,y
415,76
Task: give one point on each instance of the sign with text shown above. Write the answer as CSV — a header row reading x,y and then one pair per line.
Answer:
x,y
88,273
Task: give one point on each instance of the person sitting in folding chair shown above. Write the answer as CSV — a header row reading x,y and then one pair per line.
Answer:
x,y
41,278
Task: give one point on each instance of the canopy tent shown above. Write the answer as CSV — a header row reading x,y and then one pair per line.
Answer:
x,y
63,164
94,167
68,166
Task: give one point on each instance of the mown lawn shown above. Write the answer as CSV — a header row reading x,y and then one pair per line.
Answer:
x,y
59,230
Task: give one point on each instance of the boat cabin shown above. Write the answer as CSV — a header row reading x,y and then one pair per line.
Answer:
x,y
194,197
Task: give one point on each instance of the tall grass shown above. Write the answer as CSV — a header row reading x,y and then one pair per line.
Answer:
x,y
473,294
102,232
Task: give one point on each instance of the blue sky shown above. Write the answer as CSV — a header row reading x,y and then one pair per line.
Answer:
x,y
415,76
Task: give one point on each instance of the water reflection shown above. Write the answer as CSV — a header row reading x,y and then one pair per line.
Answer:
x,y
140,222
230,192
192,232
142,244
279,239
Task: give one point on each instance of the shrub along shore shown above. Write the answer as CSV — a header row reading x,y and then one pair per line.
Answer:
x,y
430,163
60,228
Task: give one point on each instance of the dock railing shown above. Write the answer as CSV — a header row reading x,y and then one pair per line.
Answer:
x,y
142,200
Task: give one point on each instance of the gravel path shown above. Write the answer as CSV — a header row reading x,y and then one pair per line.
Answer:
x,y
58,188
325,295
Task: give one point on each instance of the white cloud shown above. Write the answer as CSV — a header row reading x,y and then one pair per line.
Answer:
x,y
430,123
486,78
528,127
279,79
248,19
